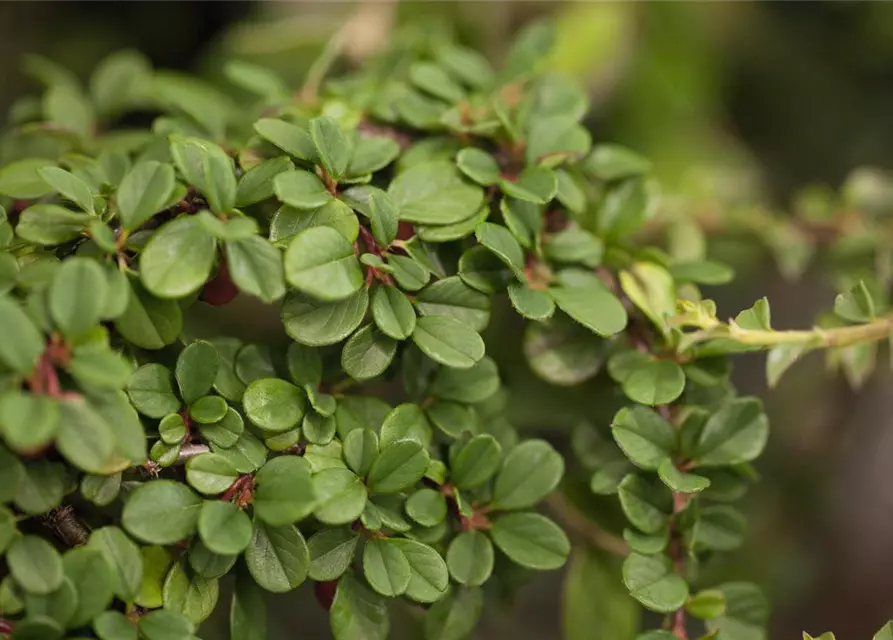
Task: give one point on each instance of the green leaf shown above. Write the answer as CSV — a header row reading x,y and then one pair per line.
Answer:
x,y
611,615
40,487
332,145
385,567
746,615
208,168
529,472
371,153
624,209
470,558
679,481
196,370
301,190
256,267
433,193
143,192
321,262
455,616
99,367
189,594
358,612
707,604
50,224
123,555
178,258
289,221
77,296
501,242
651,288
226,432
427,507
448,341
164,624
35,564
397,467
719,528
256,185
409,274
453,298
856,305
470,386
113,625
277,557
613,162
20,179
317,323
886,632
651,581
393,313
450,232
780,358
207,564
20,342
368,353
101,490
28,422
476,462
94,580
273,404
149,322
66,105
481,269
331,551
341,495
69,186
574,245
707,272
224,528
285,491
432,79
385,217
405,422
247,613
562,351
554,139
524,219
84,437
535,184
531,540
429,577
646,504
644,436
736,433
531,303
587,300
452,418
210,473
161,512
290,138
208,410
570,191
360,450
478,165
40,627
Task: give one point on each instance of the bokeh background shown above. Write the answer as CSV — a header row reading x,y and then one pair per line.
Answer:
x,y
754,100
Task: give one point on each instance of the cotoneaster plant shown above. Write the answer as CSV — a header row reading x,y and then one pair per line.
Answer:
x,y
381,214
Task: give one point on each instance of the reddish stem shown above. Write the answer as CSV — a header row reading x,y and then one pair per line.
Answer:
x,y
679,625
238,488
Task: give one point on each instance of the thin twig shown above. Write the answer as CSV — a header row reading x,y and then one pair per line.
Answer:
x,y
585,528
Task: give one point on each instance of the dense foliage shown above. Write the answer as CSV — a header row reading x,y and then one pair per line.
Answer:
x,y
384,213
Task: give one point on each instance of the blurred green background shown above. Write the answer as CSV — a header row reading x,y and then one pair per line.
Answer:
x,y
733,101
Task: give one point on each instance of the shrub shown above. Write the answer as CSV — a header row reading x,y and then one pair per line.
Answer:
x,y
385,214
